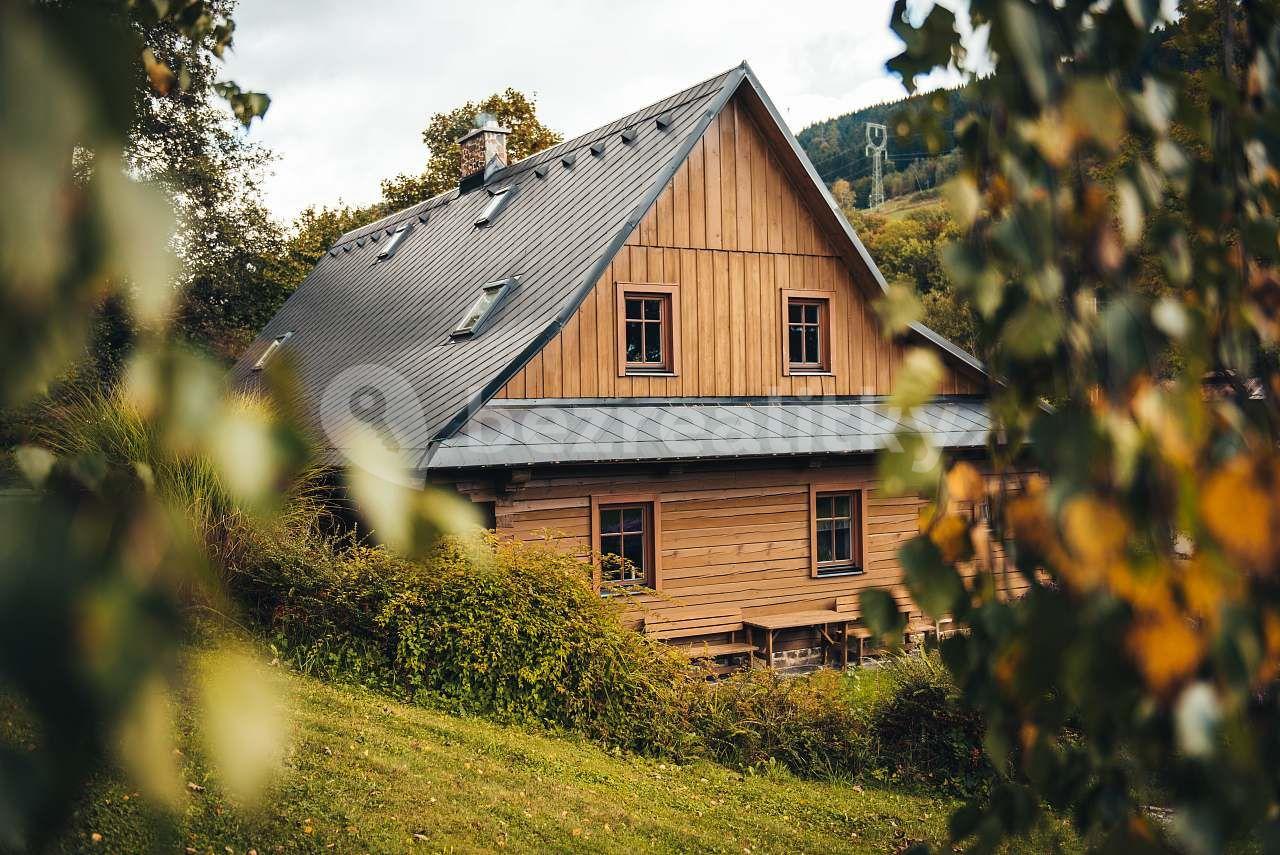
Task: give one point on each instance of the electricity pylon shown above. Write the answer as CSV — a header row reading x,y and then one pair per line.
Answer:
x,y
877,143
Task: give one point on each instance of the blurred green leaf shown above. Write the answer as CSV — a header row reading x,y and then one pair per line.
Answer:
x,y
933,584
881,614
918,379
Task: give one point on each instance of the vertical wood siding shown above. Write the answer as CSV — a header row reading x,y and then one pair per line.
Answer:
x,y
732,232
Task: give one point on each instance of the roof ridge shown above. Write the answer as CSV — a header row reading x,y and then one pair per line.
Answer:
x,y
529,161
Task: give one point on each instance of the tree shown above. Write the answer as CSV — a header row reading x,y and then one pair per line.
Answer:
x,y
1129,672
312,233
842,192
511,108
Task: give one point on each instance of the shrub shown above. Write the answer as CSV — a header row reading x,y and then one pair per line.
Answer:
x,y
485,625
806,723
924,732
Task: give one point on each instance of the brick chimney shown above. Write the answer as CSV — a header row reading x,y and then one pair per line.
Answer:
x,y
481,146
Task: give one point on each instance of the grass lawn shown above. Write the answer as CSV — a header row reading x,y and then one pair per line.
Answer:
x,y
364,774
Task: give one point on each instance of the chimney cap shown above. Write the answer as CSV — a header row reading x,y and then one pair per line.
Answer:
x,y
490,127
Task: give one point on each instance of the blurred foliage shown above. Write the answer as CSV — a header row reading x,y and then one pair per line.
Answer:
x,y
96,567
1118,213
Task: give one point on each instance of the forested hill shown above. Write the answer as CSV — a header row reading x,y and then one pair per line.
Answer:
x,y
837,146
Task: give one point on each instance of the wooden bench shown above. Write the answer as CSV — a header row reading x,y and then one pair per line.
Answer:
x,y
693,621
848,604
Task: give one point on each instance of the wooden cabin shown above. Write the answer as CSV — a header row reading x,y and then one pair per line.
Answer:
x,y
654,341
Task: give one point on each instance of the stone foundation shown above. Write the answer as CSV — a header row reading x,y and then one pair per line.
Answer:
x,y
801,658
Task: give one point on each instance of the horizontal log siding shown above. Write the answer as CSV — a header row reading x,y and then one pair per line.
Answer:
x,y
728,537
733,233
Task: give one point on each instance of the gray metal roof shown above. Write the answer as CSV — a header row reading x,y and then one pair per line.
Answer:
x,y
361,323
520,433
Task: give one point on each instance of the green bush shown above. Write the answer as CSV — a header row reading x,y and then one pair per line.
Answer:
x,y
922,730
808,723
485,625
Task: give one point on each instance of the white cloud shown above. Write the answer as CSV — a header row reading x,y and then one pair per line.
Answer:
x,y
352,85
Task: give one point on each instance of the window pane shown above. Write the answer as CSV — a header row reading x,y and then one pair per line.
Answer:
x,y
842,506
795,348
811,313
824,507
632,519
610,523
633,551
635,340
824,540
844,542
810,344
611,568
634,308
653,343
795,313
652,310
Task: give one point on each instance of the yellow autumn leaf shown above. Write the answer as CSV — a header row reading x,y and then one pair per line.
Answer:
x,y
965,483
1239,512
1095,529
951,535
1205,588
1145,587
1166,649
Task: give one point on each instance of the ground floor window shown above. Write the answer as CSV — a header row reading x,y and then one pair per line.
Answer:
x,y
837,532
626,545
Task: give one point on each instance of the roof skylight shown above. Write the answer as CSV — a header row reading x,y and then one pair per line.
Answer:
x,y
271,350
497,201
397,238
490,295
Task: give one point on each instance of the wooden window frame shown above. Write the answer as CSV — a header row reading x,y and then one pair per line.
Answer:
x,y
670,294
606,501
857,565
823,299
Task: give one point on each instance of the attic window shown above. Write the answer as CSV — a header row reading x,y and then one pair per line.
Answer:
x,y
490,295
271,349
497,201
396,239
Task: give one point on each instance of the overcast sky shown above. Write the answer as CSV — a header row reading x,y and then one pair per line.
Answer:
x,y
352,84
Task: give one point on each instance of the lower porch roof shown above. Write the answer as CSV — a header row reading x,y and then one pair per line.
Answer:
x,y
526,432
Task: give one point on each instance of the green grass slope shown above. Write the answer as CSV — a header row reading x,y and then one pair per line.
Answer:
x,y
364,774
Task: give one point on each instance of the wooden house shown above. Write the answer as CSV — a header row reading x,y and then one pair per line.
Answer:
x,y
654,341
